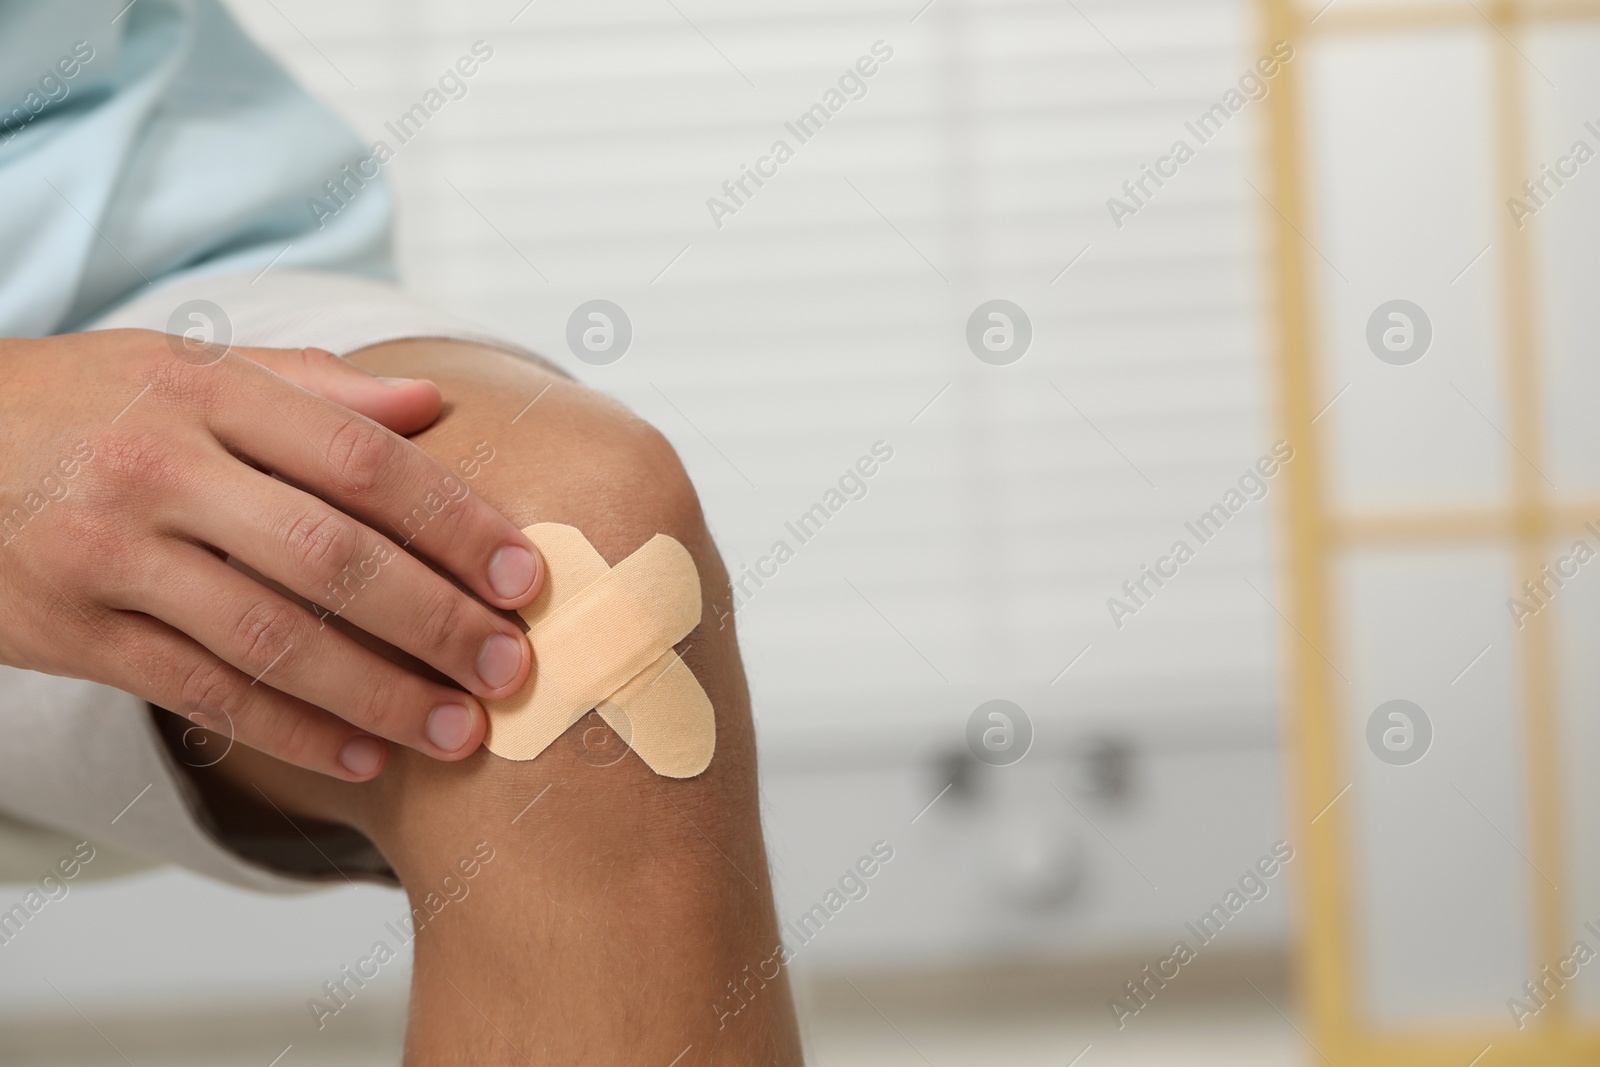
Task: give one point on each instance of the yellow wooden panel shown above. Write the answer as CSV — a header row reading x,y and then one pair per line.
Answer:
x,y
1310,536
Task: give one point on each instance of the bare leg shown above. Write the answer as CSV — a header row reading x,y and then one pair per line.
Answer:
x,y
621,910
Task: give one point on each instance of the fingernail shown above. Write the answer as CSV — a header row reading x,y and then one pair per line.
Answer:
x,y
361,755
396,381
511,571
448,726
499,660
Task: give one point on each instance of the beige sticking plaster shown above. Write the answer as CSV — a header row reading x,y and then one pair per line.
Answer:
x,y
602,640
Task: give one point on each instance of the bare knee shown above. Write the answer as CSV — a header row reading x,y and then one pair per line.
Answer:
x,y
542,448
552,451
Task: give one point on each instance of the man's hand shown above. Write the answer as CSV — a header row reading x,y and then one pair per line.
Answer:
x,y
132,465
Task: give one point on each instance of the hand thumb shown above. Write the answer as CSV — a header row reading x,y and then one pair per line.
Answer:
x,y
404,405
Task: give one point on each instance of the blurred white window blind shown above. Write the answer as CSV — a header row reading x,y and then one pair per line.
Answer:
x,y
829,312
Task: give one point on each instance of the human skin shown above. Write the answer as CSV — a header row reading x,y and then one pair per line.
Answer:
x,y
132,462
620,906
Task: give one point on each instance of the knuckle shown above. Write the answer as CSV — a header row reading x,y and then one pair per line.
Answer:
x,y
456,509
175,381
210,689
319,359
298,361
443,620
438,513
265,631
362,452
138,461
322,543
300,365
385,703
298,739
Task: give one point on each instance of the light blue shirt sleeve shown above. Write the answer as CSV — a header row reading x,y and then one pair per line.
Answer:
x,y
139,142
